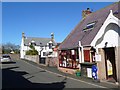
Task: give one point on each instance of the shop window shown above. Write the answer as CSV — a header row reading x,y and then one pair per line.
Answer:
x,y
93,56
93,50
87,55
68,59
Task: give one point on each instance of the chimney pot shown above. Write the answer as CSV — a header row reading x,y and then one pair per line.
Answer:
x,y
23,34
52,36
86,12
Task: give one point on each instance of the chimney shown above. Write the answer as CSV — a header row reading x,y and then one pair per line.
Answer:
x,y
23,35
86,12
52,36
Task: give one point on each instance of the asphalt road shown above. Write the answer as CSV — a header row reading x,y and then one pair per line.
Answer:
x,y
21,74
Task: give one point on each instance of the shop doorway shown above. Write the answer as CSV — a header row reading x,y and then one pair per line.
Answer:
x,y
110,64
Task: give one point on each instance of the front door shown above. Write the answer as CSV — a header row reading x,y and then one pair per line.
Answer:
x,y
110,64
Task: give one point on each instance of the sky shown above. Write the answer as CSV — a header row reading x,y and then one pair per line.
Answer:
x,y
40,19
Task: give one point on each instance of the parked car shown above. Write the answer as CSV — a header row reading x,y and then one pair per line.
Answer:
x,y
5,58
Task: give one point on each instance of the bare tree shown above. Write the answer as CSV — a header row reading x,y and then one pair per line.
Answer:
x,y
8,47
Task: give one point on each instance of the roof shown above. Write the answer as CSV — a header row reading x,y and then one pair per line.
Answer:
x,y
38,41
86,38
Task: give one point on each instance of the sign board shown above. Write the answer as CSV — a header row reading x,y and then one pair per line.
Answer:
x,y
73,52
98,58
89,72
109,68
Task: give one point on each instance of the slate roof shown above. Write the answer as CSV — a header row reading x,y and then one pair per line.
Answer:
x,y
38,41
86,38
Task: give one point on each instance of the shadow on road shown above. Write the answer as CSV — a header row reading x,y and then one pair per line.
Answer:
x,y
15,79
8,62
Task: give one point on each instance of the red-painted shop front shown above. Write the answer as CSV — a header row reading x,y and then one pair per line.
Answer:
x,y
69,58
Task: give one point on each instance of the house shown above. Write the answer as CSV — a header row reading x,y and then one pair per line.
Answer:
x,y
44,46
94,41
0,50
53,61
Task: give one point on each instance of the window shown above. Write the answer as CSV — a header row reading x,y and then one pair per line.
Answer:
x,y
50,53
33,43
50,45
89,26
68,58
87,55
44,53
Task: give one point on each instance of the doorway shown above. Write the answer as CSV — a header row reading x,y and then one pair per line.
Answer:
x,y
110,64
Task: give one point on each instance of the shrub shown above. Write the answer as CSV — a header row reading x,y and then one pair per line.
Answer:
x,y
32,47
32,52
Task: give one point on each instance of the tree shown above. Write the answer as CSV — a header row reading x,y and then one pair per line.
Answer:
x,y
32,51
8,47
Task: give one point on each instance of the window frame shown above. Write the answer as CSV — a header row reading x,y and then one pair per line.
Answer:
x,y
88,26
86,55
65,56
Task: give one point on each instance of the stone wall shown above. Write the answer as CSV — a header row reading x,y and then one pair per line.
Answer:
x,y
52,61
15,56
117,58
33,58
119,65
101,66
67,70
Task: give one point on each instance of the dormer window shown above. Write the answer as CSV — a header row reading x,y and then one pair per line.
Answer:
x,y
89,26
33,43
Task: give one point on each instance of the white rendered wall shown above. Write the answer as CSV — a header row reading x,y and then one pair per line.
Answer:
x,y
22,49
110,36
38,48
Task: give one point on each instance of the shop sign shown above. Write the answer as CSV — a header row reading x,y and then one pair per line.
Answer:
x,y
98,57
73,52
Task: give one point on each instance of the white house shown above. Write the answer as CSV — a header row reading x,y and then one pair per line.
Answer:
x,y
44,46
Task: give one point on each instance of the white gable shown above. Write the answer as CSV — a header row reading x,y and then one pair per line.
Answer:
x,y
108,33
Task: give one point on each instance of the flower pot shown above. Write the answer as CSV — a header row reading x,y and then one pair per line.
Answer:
x,y
78,74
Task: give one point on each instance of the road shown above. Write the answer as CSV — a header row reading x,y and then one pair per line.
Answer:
x,y
21,74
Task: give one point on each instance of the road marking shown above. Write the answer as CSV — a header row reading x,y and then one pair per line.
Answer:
x,y
67,76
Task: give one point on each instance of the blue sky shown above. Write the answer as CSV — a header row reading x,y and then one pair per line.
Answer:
x,y
40,19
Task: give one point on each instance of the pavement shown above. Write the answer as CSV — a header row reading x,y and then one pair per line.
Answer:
x,y
54,70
